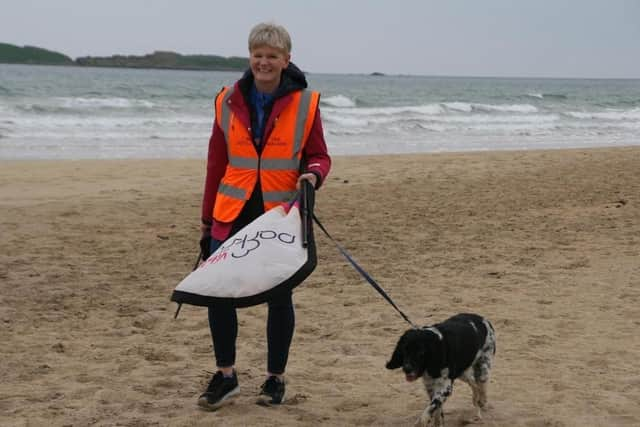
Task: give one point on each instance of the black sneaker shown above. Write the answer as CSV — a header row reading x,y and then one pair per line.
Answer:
x,y
219,392
272,391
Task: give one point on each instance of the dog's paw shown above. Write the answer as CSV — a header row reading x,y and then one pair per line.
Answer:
x,y
476,419
426,420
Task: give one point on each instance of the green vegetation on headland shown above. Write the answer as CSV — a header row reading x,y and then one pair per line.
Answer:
x,y
31,55
166,60
170,60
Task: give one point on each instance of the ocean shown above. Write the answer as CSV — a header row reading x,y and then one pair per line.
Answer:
x,y
49,112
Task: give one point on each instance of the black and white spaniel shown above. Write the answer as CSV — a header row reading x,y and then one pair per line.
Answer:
x,y
462,346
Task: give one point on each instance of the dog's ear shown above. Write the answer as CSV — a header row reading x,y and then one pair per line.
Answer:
x,y
397,358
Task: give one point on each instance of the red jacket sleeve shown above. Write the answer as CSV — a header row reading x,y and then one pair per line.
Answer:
x,y
315,152
217,160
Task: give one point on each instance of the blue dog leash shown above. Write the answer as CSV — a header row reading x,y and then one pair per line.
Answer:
x,y
363,273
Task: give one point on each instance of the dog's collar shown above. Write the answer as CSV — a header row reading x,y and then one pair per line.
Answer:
x,y
434,330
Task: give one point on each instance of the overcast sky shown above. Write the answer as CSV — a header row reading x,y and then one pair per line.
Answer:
x,y
539,38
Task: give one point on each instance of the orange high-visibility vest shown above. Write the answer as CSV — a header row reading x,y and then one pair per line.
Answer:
x,y
279,162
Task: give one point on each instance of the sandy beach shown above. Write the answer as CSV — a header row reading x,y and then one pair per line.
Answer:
x,y
546,244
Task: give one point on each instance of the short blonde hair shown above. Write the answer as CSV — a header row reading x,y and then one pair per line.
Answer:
x,y
269,34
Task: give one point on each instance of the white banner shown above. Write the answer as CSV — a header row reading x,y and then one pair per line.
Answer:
x,y
262,256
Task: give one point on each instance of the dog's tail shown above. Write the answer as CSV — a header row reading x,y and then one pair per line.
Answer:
x,y
491,334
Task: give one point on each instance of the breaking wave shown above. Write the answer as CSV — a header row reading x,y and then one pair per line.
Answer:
x,y
66,105
339,101
616,115
546,95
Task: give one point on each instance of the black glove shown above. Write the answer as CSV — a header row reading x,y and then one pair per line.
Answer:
x,y
205,243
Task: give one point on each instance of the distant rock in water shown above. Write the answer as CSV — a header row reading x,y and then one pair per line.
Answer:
x,y
377,74
12,54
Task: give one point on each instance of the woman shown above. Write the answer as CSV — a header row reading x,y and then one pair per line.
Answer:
x,y
267,138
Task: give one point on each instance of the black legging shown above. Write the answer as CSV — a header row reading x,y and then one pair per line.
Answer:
x,y
223,322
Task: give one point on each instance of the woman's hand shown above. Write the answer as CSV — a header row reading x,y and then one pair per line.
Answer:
x,y
205,229
311,177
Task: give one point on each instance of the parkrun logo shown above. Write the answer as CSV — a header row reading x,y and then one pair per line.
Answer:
x,y
240,247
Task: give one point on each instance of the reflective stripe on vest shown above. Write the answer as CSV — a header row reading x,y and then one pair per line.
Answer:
x,y
278,163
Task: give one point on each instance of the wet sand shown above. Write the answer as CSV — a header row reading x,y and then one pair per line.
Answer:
x,y
546,244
